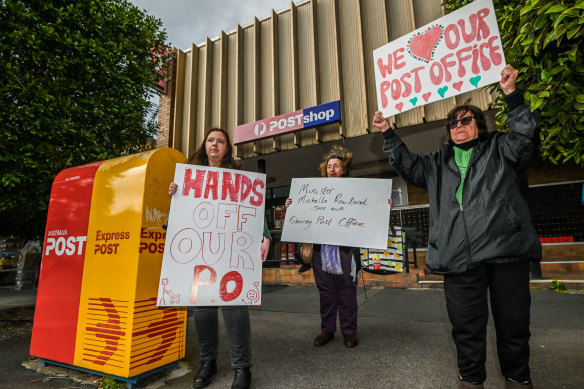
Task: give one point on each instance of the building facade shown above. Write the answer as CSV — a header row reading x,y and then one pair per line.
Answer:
x,y
316,52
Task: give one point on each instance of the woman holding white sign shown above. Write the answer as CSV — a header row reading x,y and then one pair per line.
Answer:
x,y
335,269
217,151
481,237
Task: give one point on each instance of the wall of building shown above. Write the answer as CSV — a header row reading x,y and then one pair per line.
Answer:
x,y
166,110
312,53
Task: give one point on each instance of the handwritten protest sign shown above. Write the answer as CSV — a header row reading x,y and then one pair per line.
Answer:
x,y
457,53
340,211
215,226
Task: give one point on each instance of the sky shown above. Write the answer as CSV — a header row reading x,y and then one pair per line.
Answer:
x,y
187,21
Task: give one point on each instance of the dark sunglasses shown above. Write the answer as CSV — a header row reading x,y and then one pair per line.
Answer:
x,y
464,121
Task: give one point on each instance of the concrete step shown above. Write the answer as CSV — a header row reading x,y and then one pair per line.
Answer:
x,y
571,280
287,274
555,266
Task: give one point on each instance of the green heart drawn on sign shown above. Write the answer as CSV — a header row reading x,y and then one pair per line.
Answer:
x,y
475,81
414,101
442,91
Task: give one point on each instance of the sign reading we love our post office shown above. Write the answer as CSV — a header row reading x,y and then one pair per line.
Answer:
x,y
457,53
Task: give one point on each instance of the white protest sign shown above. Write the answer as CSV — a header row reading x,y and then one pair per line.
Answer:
x,y
339,211
215,227
457,53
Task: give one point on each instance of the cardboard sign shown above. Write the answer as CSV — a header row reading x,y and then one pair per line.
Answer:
x,y
457,53
340,211
215,230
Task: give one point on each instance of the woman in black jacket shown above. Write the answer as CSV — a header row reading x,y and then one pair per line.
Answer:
x,y
481,237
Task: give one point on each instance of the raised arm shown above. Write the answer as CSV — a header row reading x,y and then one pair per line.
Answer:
x,y
409,165
519,144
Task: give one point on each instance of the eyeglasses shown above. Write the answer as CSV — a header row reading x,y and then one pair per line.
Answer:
x,y
464,121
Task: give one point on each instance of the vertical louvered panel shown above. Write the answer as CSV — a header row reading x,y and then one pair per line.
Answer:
x,y
355,120
249,82
221,109
275,77
257,68
308,65
285,72
295,78
214,113
329,63
240,150
208,87
200,101
425,12
190,143
179,101
401,22
479,97
265,78
188,101
232,91
375,35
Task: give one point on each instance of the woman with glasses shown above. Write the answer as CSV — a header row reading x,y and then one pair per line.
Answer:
x,y
481,237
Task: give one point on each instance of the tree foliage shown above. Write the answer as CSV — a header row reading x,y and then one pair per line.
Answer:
x,y
544,40
75,82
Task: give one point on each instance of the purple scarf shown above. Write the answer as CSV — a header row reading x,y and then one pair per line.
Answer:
x,y
331,259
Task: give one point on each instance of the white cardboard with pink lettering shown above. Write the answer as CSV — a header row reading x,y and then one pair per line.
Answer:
x,y
457,53
338,211
215,230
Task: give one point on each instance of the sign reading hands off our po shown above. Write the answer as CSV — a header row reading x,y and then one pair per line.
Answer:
x,y
457,53
215,226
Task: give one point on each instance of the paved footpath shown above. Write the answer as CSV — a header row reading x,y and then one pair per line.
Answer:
x,y
404,343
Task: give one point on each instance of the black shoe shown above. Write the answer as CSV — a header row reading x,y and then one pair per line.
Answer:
x,y
242,378
205,374
304,268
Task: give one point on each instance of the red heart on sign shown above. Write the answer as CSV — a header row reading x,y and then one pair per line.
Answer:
x,y
423,44
399,106
426,96
457,85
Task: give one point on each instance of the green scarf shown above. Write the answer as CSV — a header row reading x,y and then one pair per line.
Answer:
x,y
461,157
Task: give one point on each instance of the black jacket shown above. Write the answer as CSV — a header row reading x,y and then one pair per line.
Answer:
x,y
494,223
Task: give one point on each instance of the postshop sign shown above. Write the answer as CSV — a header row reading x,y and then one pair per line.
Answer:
x,y
293,121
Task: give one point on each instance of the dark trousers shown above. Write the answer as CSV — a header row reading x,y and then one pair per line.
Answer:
x,y
467,305
337,293
236,320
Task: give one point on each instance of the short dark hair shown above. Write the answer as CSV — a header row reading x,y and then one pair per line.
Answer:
x,y
462,109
